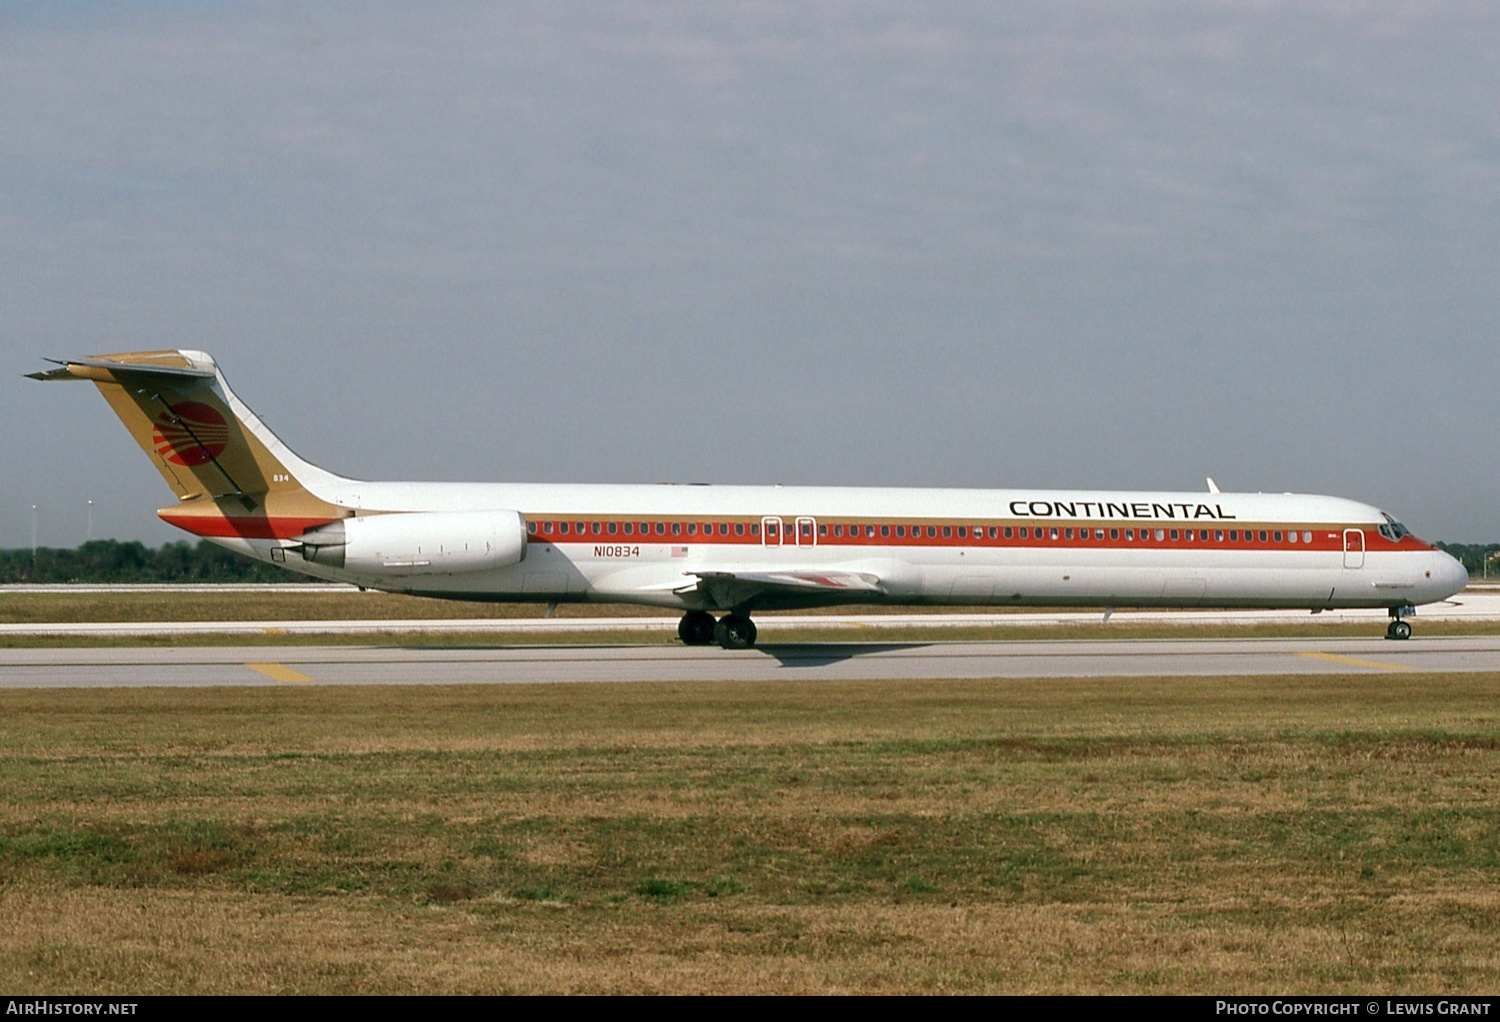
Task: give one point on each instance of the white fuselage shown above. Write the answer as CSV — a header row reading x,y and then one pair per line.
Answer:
x,y
648,543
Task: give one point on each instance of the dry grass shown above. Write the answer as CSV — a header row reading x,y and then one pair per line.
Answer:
x,y
1259,835
277,605
289,604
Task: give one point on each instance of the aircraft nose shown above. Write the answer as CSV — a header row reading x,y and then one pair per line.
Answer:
x,y
1448,575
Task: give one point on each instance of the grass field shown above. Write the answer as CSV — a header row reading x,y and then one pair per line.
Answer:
x,y
1279,834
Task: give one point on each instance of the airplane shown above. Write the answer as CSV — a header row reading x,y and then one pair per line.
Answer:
x,y
732,551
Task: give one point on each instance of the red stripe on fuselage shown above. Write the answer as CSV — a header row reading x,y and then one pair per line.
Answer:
x,y
1325,537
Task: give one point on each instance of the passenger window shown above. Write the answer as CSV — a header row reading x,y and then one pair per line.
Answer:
x,y
1262,535
531,528
931,531
629,528
947,532
1218,535
692,528
1307,537
755,528
1276,535
885,530
563,528
1067,534
1161,534
963,532
1174,535
822,530
739,528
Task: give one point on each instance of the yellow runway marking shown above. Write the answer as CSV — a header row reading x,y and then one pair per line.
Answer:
x,y
1355,662
278,672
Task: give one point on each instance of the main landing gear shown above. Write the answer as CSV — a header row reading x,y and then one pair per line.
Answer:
x,y
1399,629
732,631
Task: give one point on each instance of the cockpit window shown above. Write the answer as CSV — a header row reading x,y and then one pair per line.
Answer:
x,y
1392,529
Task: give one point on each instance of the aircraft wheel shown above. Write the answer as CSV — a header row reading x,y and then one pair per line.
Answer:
x,y
1398,629
735,632
696,628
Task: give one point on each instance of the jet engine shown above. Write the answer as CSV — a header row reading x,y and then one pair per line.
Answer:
x,y
419,542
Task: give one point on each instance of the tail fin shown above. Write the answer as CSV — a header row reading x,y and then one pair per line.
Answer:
x,y
232,476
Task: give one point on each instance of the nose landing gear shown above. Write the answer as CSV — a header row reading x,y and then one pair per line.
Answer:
x,y
732,631
1398,628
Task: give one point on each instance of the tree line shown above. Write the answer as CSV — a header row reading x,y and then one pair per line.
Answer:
x,y
109,560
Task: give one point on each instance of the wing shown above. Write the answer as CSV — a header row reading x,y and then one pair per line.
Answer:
x,y
727,590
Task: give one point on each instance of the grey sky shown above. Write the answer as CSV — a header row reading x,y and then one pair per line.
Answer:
x,y
969,244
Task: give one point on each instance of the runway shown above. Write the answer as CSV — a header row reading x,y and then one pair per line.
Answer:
x,y
892,661
1474,606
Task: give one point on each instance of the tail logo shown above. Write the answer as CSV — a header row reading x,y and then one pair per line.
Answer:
x,y
195,435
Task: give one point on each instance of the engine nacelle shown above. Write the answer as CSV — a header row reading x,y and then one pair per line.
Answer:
x,y
419,542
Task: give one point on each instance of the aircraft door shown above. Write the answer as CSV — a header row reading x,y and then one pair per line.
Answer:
x,y
807,532
1354,548
770,531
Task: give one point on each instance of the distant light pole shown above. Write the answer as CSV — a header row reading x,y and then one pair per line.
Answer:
x,y
33,532
91,520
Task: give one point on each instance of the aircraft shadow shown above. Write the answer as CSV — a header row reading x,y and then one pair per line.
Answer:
x,y
788,654
821,654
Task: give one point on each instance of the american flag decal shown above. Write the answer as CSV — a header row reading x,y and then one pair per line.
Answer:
x,y
679,551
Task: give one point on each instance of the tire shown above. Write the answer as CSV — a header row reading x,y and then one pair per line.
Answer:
x,y
735,632
696,628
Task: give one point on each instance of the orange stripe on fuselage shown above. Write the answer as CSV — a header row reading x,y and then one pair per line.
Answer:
x,y
243,526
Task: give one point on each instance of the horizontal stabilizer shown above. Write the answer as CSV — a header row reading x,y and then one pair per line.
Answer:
x,y
159,366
